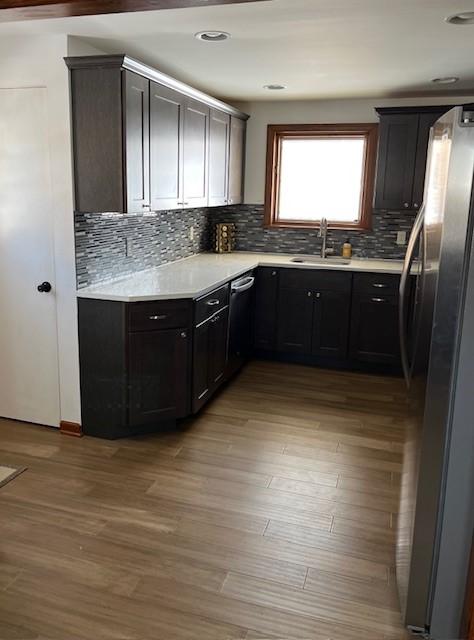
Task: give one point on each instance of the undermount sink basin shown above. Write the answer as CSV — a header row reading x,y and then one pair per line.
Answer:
x,y
317,260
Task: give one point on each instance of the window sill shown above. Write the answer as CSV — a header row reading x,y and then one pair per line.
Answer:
x,y
334,226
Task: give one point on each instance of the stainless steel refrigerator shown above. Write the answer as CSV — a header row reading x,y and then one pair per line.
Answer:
x,y
436,517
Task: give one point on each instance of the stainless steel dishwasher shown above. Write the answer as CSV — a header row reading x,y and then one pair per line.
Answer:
x,y
240,322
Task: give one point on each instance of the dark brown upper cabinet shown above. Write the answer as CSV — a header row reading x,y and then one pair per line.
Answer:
x,y
401,159
236,160
143,141
166,147
137,142
195,154
219,140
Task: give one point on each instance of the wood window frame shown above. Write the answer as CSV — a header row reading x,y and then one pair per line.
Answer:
x,y
277,132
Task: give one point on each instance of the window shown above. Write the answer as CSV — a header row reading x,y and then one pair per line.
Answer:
x,y
320,171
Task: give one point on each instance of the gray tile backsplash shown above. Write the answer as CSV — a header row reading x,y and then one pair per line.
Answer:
x,y
152,239
251,235
104,240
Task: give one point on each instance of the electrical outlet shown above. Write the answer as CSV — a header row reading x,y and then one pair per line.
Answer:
x,y
401,237
128,247
191,233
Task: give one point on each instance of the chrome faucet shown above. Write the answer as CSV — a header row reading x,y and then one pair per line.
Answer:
x,y
323,233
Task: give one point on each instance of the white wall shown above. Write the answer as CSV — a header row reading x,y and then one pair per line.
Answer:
x,y
306,112
38,62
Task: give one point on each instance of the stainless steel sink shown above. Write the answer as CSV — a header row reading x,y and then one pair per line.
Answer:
x,y
317,260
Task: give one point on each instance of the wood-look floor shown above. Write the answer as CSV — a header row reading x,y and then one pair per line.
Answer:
x,y
270,515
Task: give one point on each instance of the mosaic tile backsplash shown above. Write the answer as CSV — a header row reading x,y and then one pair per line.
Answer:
x,y
380,242
113,245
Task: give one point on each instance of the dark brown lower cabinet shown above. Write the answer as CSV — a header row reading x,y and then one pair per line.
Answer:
x,y
331,324
209,357
295,320
374,328
266,297
159,373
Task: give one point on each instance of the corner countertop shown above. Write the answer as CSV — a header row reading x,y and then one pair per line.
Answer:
x,y
195,276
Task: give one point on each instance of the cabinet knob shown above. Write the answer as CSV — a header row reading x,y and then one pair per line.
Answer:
x,y
379,300
318,295
416,205
274,273
310,294
184,334
406,205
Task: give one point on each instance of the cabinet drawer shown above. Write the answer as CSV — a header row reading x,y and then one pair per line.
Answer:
x,y
315,279
210,303
166,314
377,283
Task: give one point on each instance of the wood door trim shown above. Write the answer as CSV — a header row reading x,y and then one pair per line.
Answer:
x,y
13,10
277,132
70,428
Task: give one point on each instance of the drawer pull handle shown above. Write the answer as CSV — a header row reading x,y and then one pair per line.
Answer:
x,y
213,303
379,300
380,285
157,317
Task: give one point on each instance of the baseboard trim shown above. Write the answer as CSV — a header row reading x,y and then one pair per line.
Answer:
x,y
70,428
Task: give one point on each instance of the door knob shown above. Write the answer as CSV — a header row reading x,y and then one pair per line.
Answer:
x,y
44,287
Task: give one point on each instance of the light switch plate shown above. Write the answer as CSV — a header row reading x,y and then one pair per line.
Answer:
x,y
401,237
191,233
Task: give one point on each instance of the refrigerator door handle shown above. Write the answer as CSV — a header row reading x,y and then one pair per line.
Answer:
x,y
407,265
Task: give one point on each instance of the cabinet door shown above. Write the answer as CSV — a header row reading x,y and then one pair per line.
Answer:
x,y
295,320
166,147
236,160
331,324
218,341
219,130
195,152
159,374
426,121
374,329
396,161
201,388
266,296
137,142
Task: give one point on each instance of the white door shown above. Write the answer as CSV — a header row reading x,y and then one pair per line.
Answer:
x,y
29,387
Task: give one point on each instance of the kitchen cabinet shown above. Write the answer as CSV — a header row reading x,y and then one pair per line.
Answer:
x,y
137,142
159,363
135,361
294,320
331,324
166,147
195,153
266,296
313,312
210,357
144,141
210,341
374,324
236,160
219,140
401,157
374,329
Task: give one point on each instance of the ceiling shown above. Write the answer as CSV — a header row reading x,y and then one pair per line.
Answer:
x,y
318,48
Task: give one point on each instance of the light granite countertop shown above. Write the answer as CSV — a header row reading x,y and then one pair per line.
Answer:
x,y
195,276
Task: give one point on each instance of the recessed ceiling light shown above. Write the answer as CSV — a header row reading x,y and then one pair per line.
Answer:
x,y
274,87
465,17
447,80
212,36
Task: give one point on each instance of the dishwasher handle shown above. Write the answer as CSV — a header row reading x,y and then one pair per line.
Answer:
x,y
238,286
